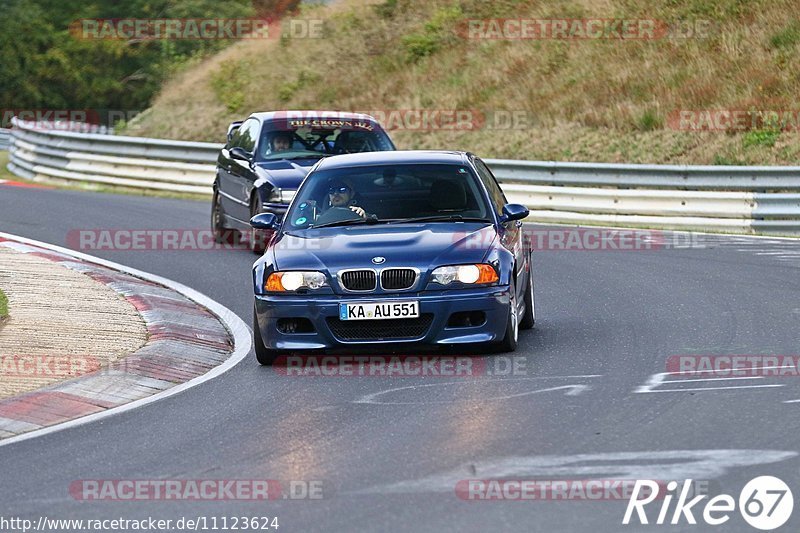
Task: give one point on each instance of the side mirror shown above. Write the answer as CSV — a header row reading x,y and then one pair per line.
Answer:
x,y
239,153
232,129
267,221
514,212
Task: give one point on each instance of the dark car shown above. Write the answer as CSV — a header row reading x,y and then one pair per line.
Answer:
x,y
268,155
397,248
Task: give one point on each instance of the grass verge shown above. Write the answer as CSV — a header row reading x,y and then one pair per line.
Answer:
x,y
596,100
3,306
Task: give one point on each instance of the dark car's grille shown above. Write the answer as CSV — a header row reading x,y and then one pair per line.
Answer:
x,y
398,278
369,330
359,280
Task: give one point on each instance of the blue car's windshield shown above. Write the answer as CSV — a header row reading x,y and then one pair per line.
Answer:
x,y
388,193
286,139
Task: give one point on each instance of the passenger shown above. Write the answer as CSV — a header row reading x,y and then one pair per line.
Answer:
x,y
282,142
352,143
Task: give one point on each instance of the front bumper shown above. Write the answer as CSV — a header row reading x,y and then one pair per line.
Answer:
x,y
492,301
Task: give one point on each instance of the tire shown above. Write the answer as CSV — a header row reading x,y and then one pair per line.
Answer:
x,y
264,355
258,238
509,342
222,235
529,319
217,227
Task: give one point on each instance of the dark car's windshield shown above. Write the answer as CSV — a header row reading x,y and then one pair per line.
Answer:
x,y
294,139
389,193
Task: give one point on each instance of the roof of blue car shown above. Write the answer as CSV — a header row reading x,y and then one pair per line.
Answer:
x,y
398,157
267,116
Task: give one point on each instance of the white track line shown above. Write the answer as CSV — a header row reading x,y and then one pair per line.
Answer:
x,y
240,331
710,379
695,372
701,389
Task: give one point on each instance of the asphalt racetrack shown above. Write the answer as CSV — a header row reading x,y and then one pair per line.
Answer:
x,y
587,400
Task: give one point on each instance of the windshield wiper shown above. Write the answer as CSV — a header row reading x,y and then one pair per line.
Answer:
x,y
350,222
275,157
440,218
306,156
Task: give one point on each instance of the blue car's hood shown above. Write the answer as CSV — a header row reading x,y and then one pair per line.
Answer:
x,y
286,174
423,246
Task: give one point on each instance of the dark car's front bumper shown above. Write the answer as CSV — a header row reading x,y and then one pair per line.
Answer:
x,y
278,209
493,302
244,225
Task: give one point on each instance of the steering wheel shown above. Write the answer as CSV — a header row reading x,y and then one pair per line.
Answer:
x,y
336,214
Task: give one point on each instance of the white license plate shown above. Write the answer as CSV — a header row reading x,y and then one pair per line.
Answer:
x,y
378,311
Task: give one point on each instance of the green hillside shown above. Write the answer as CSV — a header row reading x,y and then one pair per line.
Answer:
x,y
606,99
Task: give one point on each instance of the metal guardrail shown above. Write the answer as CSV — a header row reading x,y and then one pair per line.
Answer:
x,y
701,198
718,198
43,152
5,135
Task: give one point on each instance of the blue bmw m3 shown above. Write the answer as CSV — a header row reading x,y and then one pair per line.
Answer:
x,y
394,248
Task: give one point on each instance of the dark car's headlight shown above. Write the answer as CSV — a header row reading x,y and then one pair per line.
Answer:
x,y
294,280
281,196
479,274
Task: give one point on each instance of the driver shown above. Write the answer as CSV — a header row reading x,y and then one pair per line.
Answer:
x,y
341,194
281,142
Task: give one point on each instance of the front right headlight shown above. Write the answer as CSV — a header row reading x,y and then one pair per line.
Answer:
x,y
479,274
287,196
281,196
294,280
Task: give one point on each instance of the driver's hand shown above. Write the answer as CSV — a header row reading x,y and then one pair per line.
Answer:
x,y
359,211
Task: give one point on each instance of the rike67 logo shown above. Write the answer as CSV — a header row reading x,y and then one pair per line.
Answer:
x,y
766,503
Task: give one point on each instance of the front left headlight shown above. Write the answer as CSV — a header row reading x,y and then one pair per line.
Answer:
x,y
294,280
478,274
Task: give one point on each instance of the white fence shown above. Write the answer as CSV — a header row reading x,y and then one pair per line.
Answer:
x,y
719,198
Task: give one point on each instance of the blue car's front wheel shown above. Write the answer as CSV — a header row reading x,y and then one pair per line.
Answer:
x,y
529,318
509,342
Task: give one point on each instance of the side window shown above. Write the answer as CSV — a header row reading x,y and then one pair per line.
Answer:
x,y
246,136
231,136
495,192
236,137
